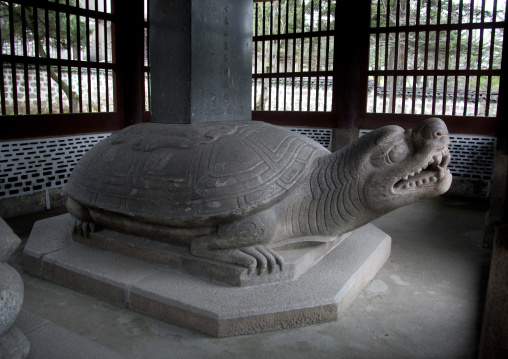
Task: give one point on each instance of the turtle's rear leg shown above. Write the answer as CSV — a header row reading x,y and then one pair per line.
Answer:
x,y
83,221
242,243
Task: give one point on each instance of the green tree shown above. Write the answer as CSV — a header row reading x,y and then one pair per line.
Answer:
x,y
45,33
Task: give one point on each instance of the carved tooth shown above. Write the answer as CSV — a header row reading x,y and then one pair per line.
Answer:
x,y
433,179
425,180
418,183
406,178
420,170
411,184
425,167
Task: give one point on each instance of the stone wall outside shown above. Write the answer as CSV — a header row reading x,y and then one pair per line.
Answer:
x,y
55,93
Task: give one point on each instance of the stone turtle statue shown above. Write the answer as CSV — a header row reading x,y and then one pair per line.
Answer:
x,y
232,190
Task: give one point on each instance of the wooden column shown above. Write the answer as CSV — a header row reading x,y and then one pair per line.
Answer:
x,y
352,21
129,55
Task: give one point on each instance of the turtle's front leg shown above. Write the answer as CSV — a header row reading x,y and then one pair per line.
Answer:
x,y
242,243
83,221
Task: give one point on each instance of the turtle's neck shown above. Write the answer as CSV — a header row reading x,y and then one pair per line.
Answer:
x,y
332,203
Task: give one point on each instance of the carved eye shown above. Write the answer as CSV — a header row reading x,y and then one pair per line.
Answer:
x,y
397,154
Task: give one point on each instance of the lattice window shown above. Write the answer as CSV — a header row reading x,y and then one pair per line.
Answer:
x,y
293,55
57,57
321,135
34,165
472,157
438,57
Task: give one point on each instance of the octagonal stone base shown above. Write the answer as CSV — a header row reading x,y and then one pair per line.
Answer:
x,y
319,295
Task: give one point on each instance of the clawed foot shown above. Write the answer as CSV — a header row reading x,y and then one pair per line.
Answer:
x,y
260,257
254,258
83,228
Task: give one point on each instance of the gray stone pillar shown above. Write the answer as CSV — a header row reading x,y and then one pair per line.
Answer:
x,y
200,60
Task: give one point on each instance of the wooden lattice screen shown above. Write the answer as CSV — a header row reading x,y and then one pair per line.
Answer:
x,y
57,57
293,55
438,57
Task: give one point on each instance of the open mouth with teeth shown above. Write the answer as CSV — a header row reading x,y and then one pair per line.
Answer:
x,y
429,173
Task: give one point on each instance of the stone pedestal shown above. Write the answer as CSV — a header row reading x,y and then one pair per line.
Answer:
x,y
298,258
319,295
200,60
13,344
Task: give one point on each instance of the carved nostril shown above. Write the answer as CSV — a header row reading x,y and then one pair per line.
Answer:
x,y
434,135
432,129
439,134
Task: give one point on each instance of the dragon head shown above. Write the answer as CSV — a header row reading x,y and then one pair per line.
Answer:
x,y
405,166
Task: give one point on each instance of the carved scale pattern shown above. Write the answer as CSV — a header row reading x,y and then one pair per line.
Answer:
x,y
331,179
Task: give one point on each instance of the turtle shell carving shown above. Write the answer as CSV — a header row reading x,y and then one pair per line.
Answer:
x,y
182,175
